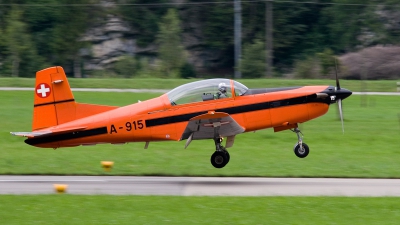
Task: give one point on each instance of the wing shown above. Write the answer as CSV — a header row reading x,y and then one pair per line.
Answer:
x,y
209,125
46,132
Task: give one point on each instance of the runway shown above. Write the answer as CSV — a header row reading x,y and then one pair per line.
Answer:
x,y
200,186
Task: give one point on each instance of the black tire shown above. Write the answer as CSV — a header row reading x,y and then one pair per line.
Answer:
x,y
219,159
301,153
227,156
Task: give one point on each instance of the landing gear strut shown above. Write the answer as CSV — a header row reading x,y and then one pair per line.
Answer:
x,y
221,156
300,149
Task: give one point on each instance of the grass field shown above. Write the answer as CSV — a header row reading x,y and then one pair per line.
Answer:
x,y
369,147
67,209
153,83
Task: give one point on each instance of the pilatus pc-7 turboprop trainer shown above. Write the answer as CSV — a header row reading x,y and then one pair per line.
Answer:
x,y
206,109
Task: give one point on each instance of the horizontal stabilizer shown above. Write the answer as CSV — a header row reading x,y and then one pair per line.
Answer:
x,y
31,134
47,132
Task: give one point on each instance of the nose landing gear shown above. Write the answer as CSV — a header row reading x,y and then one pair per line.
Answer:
x,y
300,149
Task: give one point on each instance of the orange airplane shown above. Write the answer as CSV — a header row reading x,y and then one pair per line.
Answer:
x,y
206,109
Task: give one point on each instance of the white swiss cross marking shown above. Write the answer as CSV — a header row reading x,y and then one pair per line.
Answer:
x,y
43,90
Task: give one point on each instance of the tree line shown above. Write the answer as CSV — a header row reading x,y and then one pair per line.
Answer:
x,y
41,33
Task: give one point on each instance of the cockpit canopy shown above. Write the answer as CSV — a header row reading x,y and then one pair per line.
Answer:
x,y
205,90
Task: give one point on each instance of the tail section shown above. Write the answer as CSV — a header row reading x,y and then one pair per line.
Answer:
x,y
54,102
52,94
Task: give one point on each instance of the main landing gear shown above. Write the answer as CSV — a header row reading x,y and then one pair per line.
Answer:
x,y
300,149
221,156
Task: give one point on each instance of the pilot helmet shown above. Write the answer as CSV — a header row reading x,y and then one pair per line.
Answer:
x,y
222,87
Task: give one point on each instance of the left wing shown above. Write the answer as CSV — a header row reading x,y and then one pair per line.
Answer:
x,y
210,125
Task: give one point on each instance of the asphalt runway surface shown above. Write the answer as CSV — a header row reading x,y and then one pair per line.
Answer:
x,y
200,186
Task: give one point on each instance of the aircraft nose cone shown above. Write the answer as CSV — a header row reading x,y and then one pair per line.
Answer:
x,y
343,93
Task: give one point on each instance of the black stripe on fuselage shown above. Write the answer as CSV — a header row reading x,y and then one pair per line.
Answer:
x,y
236,109
66,136
179,118
57,102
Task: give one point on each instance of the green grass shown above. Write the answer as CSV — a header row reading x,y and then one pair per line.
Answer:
x,y
67,209
369,147
154,83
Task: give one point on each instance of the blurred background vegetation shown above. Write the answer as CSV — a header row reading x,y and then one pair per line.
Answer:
x,y
194,38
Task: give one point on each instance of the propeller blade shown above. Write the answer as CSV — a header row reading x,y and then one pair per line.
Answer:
x,y
339,102
337,78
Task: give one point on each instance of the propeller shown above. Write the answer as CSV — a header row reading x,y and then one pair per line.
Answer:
x,y
341,113
336,94
339,101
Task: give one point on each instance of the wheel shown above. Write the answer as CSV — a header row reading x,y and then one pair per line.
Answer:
x,y
301,152
227,156
219,159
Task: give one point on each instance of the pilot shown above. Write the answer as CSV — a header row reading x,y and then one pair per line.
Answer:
x,y
221,91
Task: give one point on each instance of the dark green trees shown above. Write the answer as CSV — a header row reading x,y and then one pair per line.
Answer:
x,y
39,33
